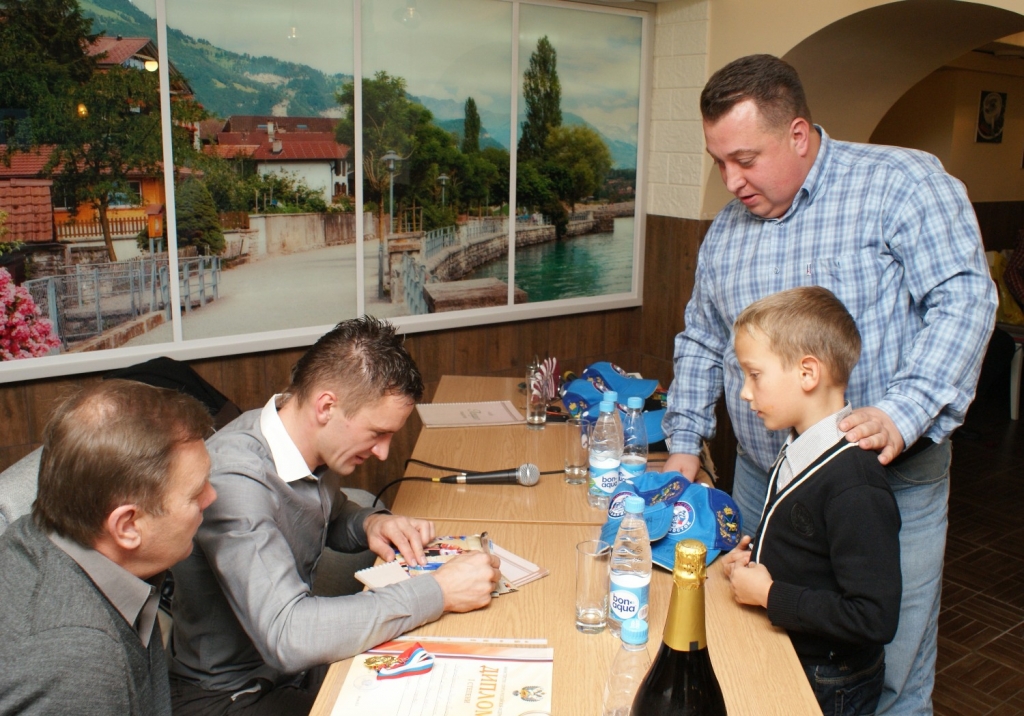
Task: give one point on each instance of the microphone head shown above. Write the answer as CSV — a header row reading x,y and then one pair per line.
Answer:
x,y
528,474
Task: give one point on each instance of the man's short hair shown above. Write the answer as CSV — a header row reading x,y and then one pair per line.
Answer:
x,y
772,84
110,444
808,320
361,360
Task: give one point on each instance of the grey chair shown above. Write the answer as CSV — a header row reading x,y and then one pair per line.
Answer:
x,y
18,488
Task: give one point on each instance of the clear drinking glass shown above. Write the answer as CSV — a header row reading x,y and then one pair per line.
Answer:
x,y
593,560
577,461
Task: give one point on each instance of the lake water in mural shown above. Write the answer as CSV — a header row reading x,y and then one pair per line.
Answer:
x,y
590,265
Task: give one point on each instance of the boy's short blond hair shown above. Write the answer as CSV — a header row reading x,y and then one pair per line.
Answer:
x,y
808,320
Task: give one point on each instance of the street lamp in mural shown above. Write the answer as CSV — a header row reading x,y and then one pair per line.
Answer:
x,y
443,178
390,159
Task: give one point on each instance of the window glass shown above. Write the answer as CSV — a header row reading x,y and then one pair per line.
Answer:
x,y
82,144
436,135
579,105
265,222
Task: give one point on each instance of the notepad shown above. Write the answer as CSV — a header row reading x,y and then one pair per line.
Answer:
x,y
515,570
453,415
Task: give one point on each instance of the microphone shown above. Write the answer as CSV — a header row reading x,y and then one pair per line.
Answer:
x,y
526,475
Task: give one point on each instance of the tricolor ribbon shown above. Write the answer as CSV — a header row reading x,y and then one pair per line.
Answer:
x,y
412,661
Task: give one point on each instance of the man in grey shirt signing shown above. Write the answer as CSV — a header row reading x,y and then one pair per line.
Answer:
x,y
249,636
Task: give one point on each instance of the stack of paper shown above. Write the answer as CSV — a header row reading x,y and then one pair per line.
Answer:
x,y
516,569
449,415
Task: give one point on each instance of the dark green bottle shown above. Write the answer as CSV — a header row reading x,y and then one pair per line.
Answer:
x,y
681,681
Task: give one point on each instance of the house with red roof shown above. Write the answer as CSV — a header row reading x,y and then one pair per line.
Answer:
x,y
302,147
137,53
36,215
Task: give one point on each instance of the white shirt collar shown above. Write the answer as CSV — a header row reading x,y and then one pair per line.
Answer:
x,y
290,464
802,450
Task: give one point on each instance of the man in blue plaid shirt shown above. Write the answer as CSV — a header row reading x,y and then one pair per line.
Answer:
x,y
894,236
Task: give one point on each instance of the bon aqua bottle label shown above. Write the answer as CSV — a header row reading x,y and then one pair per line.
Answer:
x,y
628,596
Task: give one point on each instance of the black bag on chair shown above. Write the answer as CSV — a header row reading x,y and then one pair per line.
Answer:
x,y
166,372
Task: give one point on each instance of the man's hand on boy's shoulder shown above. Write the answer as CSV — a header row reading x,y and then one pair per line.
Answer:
x,y
873,429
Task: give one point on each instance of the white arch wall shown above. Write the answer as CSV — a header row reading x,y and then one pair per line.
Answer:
x,y
856,59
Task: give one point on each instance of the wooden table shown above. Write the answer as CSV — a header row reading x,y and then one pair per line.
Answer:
x,y
493,448
755,662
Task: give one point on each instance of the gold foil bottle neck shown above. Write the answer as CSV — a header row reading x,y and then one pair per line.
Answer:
x,y
690,568
684,625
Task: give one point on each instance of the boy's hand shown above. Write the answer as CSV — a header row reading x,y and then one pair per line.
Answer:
x,y
751,584
739,556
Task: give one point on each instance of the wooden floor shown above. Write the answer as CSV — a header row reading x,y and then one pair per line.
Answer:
x,y
980,666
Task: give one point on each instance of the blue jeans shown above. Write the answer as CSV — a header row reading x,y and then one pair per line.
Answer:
x,y
921,486
848,688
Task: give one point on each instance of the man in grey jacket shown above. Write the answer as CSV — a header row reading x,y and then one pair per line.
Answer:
x,y
249,635
123,482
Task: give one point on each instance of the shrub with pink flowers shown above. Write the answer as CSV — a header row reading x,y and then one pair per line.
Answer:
x,y
23,331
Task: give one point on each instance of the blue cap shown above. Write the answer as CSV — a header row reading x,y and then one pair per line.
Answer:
x,y
659,491
674,510
634,631
610,395
583,396
607,406
702,513
607,376
634,504
635,403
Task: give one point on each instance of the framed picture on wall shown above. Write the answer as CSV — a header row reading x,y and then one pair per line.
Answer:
x,y
444,164
991,112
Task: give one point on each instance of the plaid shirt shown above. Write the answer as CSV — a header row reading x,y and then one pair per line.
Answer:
x,y
895,238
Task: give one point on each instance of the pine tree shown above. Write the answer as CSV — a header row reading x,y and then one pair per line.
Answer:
x,y
197,220
543,94
471,129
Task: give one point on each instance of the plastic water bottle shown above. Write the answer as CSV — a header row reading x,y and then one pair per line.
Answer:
x,y
612,396
631,567
628,669
605,457
634,445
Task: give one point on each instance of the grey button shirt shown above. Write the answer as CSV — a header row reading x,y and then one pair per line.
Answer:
x,y
243,604
134,599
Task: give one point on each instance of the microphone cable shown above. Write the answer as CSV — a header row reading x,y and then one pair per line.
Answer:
x,y
442,468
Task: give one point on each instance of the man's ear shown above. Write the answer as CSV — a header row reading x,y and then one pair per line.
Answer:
x,y
325,404
800,136
810,373
122,527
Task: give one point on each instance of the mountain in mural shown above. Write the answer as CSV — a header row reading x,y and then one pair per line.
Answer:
x,y
227,83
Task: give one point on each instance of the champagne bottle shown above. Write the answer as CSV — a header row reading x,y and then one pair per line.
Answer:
x,y
681,681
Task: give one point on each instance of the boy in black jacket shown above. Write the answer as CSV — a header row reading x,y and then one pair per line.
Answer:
x,y
825,561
